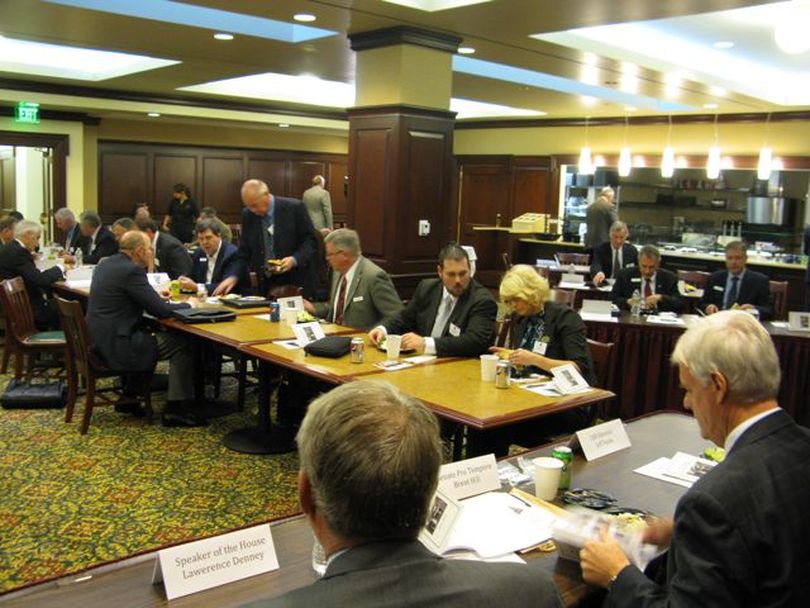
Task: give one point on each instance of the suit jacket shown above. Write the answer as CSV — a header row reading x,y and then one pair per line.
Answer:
x,y
474,315
77,240
599,218
293,235
754,288
564,332
119,295
17,261
104,247
171,256
370,298
319,207
404,573
602,258
227,265
741,536
666,284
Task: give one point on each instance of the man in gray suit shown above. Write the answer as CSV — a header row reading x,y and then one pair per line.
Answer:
x,y
740,535
362,293
319,205
370,459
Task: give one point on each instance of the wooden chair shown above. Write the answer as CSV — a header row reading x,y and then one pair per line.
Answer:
x,y
503,330
779,290
564,296
284,291
696,278
602,356
507,261
578,259
236,232
23,340
86,365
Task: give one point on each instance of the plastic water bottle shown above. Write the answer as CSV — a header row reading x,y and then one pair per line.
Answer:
x,y
78,256
635,304
318,557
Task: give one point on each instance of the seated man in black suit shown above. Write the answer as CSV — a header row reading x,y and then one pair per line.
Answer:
x,y
171,255
74,239
658,287
7,225
278,229
370,458
737,286
613,255
121,226
17,260
119,295
102,242
740,535
451,316
213,261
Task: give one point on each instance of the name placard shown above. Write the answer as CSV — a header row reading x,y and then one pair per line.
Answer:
x,y
603,439
469,477
212,562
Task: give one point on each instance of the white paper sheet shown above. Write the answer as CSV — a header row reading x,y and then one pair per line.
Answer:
x,y
657,469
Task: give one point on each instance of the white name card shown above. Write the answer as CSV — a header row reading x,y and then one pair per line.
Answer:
x,y
212,562
603,439
306,333
469,477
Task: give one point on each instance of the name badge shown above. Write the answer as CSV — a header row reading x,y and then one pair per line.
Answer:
x,y
540,347
357,299
719,288
638,280
630,265
203,259
454,330
270,230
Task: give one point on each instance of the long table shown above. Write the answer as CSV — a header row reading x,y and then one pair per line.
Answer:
x,y
129,583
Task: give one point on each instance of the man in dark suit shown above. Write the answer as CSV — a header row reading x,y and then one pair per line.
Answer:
x,y
658,287
612,256
74,239
277,229
171,255
452,316
17,260
7,225
119,295
737,286
102,242
367,517
362,293
740,535
213,261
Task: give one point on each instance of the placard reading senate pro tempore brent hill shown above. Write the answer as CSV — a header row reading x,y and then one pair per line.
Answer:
x,y
215,561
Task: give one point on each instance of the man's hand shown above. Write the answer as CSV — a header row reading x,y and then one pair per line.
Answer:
x,y
309,307
602,559
225,287
193,302
412,341
287,264
745,306
652,301
187,284
325,231
376,335
598,278
659,531
711,309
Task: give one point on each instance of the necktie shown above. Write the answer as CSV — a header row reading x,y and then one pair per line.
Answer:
x,y
616,267
647,288
69,238
731,297
442,317
341,301
267,241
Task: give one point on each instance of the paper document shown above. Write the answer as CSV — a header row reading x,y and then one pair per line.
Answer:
x,y
392,366
665,320
79,283
572,285
594,316
416,360
682,469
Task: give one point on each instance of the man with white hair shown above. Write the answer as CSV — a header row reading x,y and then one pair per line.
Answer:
x,y
17,260
74,239
740,535
613,255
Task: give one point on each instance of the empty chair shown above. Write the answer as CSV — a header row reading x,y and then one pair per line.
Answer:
x,y
563,296
578,259
779,290
696,278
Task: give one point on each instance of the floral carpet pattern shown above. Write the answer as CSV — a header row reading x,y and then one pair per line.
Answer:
x,y
69,502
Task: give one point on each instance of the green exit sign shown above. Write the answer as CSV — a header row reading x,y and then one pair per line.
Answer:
x,y
27,111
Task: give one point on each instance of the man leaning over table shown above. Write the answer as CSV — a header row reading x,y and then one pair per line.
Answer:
x,y
450,316
370,458
737,286
362,293
658,287
740,535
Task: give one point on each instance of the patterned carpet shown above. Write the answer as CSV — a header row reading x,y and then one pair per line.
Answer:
x,y
68,502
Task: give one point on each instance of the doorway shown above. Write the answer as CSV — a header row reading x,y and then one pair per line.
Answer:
x,y
26,184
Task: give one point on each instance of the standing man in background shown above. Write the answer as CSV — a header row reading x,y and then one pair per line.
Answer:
x,y
599,216
319,205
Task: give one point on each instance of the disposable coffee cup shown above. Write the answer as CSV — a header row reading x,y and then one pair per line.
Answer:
x,y
488,363
392,346
547,472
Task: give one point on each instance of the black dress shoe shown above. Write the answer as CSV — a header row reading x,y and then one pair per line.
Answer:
x,y
182,419
130,405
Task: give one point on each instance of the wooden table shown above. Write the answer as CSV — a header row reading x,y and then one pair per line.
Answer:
x,y
129,583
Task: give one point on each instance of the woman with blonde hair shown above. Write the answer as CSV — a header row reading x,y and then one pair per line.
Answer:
x,y
544,334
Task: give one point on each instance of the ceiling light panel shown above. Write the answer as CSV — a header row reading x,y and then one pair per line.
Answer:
x,y
281,87
432,6
181,13
57,61
468,108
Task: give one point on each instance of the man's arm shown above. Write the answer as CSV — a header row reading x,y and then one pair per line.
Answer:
x,y
763,298
104,249
384,296
596,263
139,289
477,336
31,275
620,289
326,202
179,261
670,298
307,245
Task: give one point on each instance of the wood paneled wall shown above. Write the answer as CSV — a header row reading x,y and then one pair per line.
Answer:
x,y
131,172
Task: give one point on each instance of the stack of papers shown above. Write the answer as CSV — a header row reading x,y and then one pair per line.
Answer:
x,y
665,320
682,469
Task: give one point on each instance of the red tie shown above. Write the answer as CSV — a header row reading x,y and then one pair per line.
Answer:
x,y
341,302
647,289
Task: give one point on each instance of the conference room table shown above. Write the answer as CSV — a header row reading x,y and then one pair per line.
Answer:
x,y
128,583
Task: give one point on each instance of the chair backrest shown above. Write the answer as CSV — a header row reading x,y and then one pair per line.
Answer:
x,y
71,316
236,232
502,332
779,290
507,262
284,291
696,278
563,296
580,259
601,355
17,309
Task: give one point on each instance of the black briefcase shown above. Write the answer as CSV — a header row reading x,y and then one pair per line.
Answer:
x,y
204,315
329,346
20,395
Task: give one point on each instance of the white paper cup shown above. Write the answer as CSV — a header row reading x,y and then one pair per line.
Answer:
x,y
392,346
547,477
488,363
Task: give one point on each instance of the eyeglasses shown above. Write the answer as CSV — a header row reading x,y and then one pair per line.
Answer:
x,y
333,253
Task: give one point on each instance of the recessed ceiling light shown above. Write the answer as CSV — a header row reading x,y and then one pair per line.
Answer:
x,y
710,106
466,50
153,114
304,17
723,44
283,125
431,6
223,36
716,91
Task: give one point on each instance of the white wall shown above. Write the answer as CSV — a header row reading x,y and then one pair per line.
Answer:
x,y
29,182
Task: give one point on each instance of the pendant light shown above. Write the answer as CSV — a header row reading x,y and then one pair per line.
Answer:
x,y
585,164
668,157
765,163
625,156
713,161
